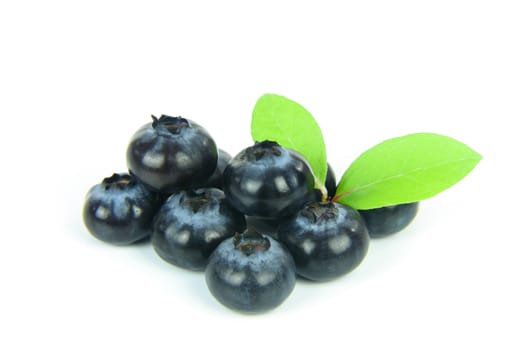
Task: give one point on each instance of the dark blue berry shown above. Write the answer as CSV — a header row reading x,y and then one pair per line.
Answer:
x,y
266,226
385,221
267,180
120,210
190,224
172,153
326,239
250,273
269,226
216,179
331,182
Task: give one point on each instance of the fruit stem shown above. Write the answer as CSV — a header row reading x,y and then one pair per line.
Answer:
x,y
323,190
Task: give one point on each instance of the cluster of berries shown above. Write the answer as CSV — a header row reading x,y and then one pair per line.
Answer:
x,y
253,222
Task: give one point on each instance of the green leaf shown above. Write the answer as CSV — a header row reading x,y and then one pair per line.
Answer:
x,y
280,119
405,169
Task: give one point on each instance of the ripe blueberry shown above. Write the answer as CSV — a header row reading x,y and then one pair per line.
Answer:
x,y
172,153
250,273
266,226
120,210
216,179
269,226
190,225
385,221
267,180
326,239
331,182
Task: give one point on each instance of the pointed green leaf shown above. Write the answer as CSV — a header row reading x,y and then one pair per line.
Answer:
x,y
280,119
405,169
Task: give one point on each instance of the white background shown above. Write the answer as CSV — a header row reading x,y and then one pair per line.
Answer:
x,y
78,78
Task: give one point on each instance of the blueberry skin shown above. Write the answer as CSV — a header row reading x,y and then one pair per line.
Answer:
x,y
172,153
120,210
385,221
190,224
331,182
216,179
250,283
265,226
326,239
268,181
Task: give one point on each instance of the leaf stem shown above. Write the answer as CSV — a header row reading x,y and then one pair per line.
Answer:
x,y
337,197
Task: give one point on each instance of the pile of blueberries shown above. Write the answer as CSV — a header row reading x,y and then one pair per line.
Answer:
x,y
252,222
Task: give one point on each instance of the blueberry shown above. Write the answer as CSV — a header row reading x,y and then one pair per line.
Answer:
x,y
120,210
326,239
172,153
385,221
267,180
331,182
250,273
190,225
216,179
266,226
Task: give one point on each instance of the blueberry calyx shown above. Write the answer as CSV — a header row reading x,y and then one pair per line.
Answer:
x,y
317,212
260,149
250,242
197,200
119,181
169,125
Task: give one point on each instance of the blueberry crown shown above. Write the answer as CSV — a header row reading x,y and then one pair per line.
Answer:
x,y
195,200
250,241
172,125
262,149
320,211
119,181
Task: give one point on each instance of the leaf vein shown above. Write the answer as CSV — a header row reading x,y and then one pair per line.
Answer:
x,y
406,174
